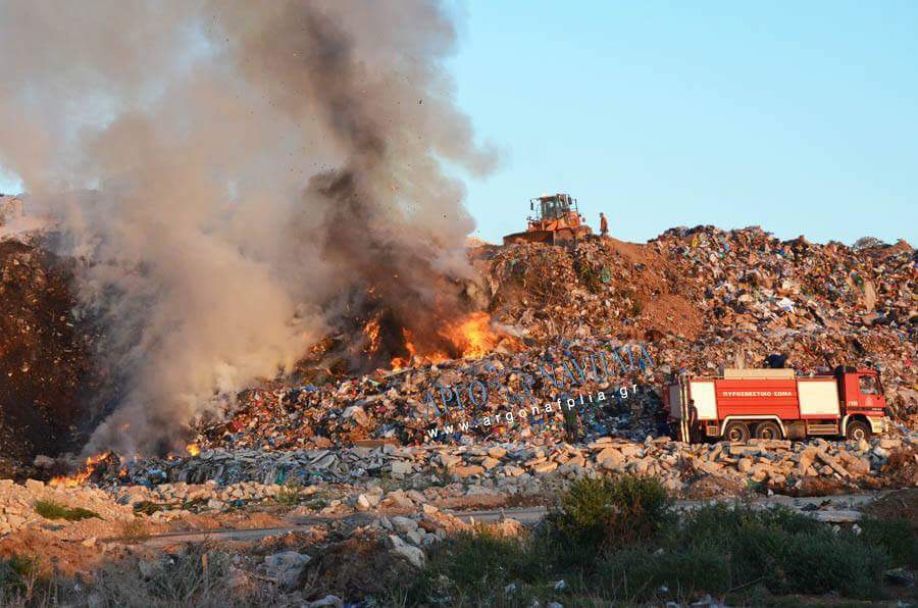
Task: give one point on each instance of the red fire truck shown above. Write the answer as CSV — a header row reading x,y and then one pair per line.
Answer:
x,y
777,404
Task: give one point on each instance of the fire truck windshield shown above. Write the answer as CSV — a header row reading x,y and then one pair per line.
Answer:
x,y
868,385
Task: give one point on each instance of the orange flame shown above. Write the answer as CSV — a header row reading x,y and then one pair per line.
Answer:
x,y
472,336
371,331
193,449
426,359
81,477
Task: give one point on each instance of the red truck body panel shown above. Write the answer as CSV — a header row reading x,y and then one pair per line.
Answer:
x,y
757,398
799,405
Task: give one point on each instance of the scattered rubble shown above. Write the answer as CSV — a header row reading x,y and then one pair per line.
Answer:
x,y
352,480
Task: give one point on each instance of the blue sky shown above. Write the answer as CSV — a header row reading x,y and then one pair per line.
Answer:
x,y
799,117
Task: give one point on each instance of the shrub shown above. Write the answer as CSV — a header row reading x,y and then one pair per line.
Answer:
x,y
634,573
642,508
786,551
612,510
473,569
14,575
135,530
50,509
196,577
868,242
598,515
719,547
827,562
895,536
478,558
289,495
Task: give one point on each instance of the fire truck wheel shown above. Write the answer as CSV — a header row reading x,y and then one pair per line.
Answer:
x,y
767,430
857,430
737,432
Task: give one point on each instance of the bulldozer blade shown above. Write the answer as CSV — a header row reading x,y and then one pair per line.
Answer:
x,y
533,236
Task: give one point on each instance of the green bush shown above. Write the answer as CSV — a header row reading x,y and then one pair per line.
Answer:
x,y
598,515
289,495
475,567
476,558
635,573
50,509
895,536
617,540
827,562
14,574
786,551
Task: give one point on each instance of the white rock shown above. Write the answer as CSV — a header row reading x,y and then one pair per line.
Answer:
x,y
401,468
285,567
404,524
414,555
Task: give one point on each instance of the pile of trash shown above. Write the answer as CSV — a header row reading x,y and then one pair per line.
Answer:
x,y
692,300
706,298
821,305
457,401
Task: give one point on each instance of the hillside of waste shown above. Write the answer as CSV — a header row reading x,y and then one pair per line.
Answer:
x,y
694,300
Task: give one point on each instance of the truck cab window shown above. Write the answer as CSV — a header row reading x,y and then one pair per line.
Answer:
x,y
868,385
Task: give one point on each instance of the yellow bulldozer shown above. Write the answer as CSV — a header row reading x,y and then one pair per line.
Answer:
x,y
558,221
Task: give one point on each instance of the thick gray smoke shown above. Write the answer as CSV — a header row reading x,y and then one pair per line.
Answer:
x,y
233,174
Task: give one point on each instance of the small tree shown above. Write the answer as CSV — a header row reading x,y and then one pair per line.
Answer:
x,y
868,242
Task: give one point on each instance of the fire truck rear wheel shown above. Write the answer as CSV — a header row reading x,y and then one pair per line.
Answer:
x,y
767,430
737,432
857,430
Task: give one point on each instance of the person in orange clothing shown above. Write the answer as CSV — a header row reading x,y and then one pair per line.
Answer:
x,y
603,224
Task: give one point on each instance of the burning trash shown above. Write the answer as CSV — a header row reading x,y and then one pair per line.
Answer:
x,y
95,468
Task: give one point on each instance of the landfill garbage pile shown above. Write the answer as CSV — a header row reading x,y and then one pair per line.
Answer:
x,y
46,365
690,300
456,401
696,300
705,298
822,305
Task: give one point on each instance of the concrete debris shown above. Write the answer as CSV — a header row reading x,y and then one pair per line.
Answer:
x,y
350,480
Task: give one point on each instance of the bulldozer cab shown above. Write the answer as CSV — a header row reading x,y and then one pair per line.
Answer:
x,y
552,207
556,220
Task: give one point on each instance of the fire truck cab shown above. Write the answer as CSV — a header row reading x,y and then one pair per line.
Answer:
x,y
777,404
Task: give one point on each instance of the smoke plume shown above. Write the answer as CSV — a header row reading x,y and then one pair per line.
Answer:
x,y
234,177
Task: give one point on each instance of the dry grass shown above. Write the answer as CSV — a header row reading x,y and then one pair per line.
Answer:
x,y
135,530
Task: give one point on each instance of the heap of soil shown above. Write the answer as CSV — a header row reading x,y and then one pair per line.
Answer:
x,y
45,362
